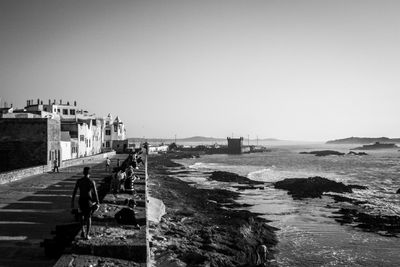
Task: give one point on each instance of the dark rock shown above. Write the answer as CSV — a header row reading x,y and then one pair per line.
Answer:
x,y
381,224
323,153
357,154
311,187
222,176
356,186
244,187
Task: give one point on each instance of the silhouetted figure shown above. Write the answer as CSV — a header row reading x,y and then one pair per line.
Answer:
x,y
56,165
88,200
129,180
118,163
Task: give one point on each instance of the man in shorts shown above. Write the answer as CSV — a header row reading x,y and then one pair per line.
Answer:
x,y
88,200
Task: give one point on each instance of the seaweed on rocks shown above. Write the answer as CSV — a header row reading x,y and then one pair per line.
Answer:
x,y
201,226
386,225
223,176
323,153
311,187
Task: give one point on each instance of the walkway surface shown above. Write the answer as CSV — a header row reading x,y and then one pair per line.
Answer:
x,y
31,208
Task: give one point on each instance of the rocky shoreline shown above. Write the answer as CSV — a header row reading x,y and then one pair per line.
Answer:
x,y
355,214
201,226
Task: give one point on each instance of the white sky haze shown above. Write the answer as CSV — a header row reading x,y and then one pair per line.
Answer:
x,y
299,70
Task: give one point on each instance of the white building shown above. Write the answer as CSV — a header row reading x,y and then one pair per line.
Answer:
x,y
114,134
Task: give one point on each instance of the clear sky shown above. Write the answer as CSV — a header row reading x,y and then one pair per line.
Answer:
x,y
298,70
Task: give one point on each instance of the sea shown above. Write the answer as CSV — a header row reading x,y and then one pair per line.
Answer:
x,y
308,233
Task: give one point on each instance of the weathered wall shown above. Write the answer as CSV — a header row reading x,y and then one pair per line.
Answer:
x,y
120,146
6,177
53,140
23,143
65,150
84,160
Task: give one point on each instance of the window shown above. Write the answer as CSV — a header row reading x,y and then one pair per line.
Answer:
x,y
108,132
72,112
58,110
115,128
108,144
82,137
65,111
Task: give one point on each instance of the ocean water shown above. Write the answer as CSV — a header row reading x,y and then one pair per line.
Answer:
x,y
309,235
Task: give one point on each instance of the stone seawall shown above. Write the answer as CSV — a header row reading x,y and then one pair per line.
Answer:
x,y
84,160
114,242
6,177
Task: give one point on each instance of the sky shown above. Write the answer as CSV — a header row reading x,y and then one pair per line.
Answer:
x,y
293,70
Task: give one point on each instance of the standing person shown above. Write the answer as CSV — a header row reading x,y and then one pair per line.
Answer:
x,y
88,200
56,164
108,162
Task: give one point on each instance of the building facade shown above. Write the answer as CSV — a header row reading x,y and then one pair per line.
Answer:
x,y
22,148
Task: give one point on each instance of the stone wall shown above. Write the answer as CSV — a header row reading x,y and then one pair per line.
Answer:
x,y
85,160
6,177
23,143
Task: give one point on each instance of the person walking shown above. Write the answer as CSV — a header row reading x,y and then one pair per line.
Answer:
x,y
88,201
56,165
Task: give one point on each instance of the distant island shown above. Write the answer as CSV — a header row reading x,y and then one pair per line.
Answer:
x,y
198,139
377,145
364,140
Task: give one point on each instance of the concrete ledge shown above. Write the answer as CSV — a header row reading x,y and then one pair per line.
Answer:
x,y
7,177
10,176
84,160
106,213
119,199
121,242
75,260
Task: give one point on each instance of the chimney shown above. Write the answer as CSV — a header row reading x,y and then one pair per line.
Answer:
x,y
60,101
38,101
11,105
49,102
27,103
68,103
54,102
41,102
32,103
75,103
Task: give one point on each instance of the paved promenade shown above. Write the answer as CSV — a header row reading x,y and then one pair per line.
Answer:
x,y
32,207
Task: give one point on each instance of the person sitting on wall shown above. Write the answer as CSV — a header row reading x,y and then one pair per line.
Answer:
x,y
129,180
114,185
127,214
88,201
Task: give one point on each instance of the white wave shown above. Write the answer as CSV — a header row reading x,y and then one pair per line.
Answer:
x,y
265,175
202,165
